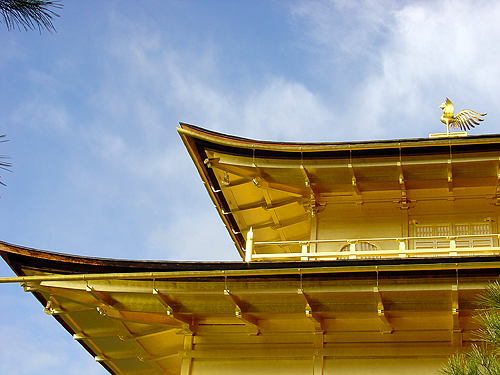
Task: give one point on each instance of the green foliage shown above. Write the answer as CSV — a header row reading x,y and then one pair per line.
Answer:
x,y
29,14
489,314
490,299
479,360
483,359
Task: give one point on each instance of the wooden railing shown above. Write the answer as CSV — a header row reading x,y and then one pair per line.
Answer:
x,y
402,247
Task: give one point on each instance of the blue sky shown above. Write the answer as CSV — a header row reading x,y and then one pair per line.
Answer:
x,y
90,111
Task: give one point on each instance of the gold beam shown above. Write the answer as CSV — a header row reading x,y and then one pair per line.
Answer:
x,y
148,334
450,176
276,225
310,314
266,206
153,319
245,272
354,182
187,323
382,314
307,181
145,355
401,177
104,298
279,187
249,320
456,331
259,181
101,334
337,352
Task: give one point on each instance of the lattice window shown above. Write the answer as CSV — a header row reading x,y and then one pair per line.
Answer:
x,y
424,230
460,229
432,230
481,228
473,229
360,246
442,230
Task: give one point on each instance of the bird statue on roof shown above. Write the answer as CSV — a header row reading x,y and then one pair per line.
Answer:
x,y
465,119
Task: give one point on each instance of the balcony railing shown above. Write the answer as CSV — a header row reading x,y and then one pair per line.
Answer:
x,y
401,247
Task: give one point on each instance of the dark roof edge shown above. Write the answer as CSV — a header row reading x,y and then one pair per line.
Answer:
x,y
221,138
18,257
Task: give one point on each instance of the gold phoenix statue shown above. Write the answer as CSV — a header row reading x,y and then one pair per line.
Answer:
x,y
465,119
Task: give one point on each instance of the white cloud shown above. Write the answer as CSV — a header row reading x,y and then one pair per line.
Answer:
x,y
37,343
101,171
417,53
41,115
192,237
284,110
141,160
126,156
160,81
344,30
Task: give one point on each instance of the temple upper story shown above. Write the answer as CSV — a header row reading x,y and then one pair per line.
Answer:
x,y
324,201
358,257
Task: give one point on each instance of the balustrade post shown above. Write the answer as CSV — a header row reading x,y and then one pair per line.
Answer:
x,y
249,246
352,250
402,248
453,246
305,250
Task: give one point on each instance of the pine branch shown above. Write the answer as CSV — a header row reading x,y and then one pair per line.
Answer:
x,y
4,164
479,360
29,14
490,299
483,359
490,327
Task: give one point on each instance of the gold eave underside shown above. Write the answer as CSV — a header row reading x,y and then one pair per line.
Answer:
x,y
276,188
154,322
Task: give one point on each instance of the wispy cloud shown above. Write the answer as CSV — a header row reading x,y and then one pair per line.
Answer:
x,y
186,237
40,340
284,110
410,55
344,31
92,110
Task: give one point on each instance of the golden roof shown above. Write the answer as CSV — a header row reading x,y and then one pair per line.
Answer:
x,y
139,317
160,317
276,187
